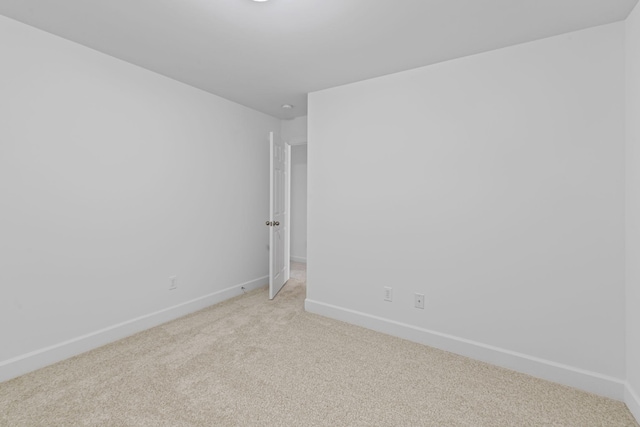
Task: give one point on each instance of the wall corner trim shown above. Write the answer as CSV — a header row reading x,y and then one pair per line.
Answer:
x,y
20,365
589,381
632,399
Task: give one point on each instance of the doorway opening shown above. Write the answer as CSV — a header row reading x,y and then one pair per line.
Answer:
x,y
288,212
298,212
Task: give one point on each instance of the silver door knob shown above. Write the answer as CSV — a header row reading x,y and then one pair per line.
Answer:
x,y
276,223
268,223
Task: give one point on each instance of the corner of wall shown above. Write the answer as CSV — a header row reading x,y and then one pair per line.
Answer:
x,y
632,400
40,358
632,202
592,382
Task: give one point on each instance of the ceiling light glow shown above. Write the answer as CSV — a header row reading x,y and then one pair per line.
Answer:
x,y
287,106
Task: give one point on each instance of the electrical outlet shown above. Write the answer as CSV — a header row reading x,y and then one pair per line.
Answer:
x,y
173,282
419,301
388,293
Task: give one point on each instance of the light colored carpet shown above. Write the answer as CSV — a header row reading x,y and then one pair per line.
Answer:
x,y
254,362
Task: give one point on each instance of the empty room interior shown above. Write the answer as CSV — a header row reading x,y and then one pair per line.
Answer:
x,y
320,212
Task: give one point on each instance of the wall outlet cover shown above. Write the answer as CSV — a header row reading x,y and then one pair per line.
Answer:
x,y
419,301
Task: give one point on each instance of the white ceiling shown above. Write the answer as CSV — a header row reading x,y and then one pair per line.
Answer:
x,y
263,55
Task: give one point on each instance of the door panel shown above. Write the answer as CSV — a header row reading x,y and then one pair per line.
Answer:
x,y
278,216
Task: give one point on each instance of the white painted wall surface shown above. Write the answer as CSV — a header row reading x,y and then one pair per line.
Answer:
x,y
294,131
633,211
112,179
299,203
493,184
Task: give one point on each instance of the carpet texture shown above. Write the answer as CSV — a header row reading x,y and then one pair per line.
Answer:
x,y
254,362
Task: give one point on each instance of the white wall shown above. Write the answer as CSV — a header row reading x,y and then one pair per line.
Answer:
x,y
299,203
294,131
494,184
633,211
112,179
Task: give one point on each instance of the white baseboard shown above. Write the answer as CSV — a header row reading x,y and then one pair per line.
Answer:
x,y
25,363
592,382
298,259
632,399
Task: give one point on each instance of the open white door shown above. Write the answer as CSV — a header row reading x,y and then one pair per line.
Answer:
x,y
278,216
